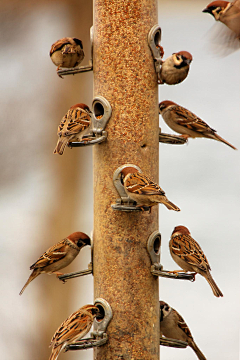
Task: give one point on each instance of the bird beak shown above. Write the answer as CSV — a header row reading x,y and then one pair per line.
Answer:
x,y
206,11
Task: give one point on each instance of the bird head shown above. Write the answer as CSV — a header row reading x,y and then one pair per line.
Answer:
x,y
128,170
165,309
80,239
182,58
82,106
215,8
164,105
180,229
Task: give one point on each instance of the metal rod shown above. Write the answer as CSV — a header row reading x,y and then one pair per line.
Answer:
x,y
124,73
76,70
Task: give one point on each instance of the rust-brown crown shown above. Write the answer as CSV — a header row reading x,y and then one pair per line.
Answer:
x,y
181,229
214,5
79,238
80,105
164,104
128,170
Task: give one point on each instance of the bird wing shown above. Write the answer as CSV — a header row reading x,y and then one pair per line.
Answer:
x,y
231,17
52,255
74,327
182,325
77,120
140,184
60,43
189,120
185,247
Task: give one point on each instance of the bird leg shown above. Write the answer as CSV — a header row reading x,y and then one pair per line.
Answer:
x,y
185,136
57,273
57,71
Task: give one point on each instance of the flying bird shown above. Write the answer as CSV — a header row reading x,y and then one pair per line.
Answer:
x,y
187,123
173,326
58,256
67,52
228,37
175,68
143,190
73,126
187,253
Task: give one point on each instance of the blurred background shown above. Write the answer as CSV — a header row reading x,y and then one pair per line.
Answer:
x,y
45,197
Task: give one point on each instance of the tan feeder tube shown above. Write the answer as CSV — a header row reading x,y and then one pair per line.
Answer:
x,y
124,74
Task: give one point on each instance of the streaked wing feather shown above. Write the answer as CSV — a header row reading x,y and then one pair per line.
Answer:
x,y
184,247
77,325
191,121
140,184
59,44
77,121
182,325
53,254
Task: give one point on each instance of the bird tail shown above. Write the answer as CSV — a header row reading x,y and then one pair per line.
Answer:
x,y
59,149
33,275
197,350
219,138
55,353
216,291
170,205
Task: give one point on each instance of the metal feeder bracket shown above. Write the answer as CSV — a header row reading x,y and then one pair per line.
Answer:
x,y
124,203
171,139
80,69
102,112
154,40
153,246
173,343
73,275
98,336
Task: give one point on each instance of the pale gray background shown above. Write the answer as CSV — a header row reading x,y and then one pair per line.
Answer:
x,y
45,197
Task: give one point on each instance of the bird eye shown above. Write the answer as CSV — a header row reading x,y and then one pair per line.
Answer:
x,y
79,243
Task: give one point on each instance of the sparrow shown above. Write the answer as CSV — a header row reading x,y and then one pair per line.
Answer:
x,y
175,68
75,327
226,12
143,190
187,123
58,256
67,52
173,326
73,126
187,253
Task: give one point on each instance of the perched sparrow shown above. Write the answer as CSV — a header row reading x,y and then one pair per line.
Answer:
x,y
144,191
226,12
73,126
75,327
187,253
173,326
58,256
186,123
67,52
175,68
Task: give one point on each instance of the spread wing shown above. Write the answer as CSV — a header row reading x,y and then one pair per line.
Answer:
x,y
186,248
139,184
232,17
52,255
